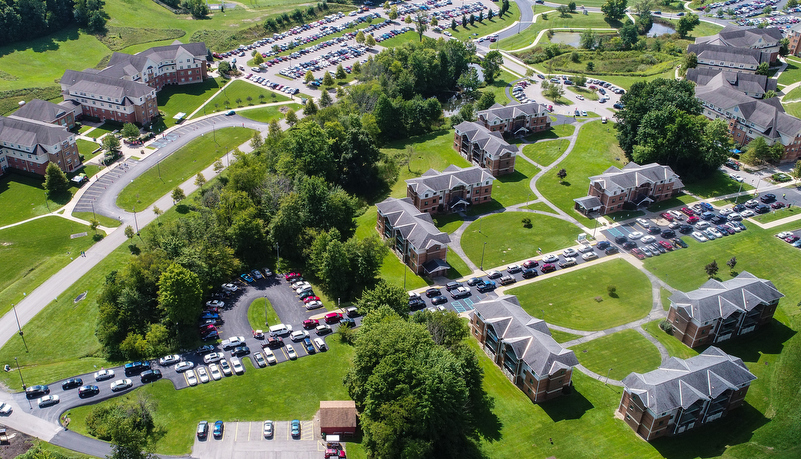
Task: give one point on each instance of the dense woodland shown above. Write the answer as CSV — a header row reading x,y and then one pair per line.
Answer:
x,y
22,20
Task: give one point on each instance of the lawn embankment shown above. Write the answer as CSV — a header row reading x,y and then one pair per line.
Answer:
x,y
580,299
185,163
554,21
261,314
23,197
104,221
544,153
515,188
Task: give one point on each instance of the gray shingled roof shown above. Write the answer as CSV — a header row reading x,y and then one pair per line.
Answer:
x,y
633,175
108,87
31,133
528,336
715,78
728,54
509,112
41,110
416,227
122,64
434,181
718,300
680,383
490,142
743,38
766,113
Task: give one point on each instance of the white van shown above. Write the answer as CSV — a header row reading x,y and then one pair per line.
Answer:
x,y
281,329
320,344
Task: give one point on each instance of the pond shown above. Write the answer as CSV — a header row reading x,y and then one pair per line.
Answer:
x,y
567,38
657,30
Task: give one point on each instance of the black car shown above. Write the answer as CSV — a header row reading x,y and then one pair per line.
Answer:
x,y
72,383
452,286
628,245
416,303
474,281
679,243
347,322
611,250
738,208
529,273
205,349
766,198
654,230
202,429
717,219
603,245
432,292
88,391
439,300
686,229
36,391
494,275
762,209
150,376
134,368
240,350
621,239
667,234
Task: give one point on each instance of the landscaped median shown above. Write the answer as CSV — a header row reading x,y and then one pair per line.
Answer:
x,y
180,166
581,299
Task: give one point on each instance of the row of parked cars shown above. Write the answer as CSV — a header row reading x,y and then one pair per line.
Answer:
x,y
325,61
276,86
790,238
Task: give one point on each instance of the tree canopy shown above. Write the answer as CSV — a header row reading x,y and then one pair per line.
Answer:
x,y
56,181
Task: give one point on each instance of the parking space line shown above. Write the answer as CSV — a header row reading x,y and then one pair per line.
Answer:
x,y
457,305
468,303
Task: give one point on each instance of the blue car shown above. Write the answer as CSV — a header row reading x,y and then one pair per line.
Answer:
x,y
295,428
246,277
218,429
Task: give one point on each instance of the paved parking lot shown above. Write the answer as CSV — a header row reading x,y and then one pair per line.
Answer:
x,y
245,440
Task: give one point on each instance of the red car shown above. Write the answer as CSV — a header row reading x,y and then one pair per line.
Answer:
x,y
692,219
687,211
311,298
530,264
333,317
291,276
308,324
548,267
777,205
667,216
667,245
638,253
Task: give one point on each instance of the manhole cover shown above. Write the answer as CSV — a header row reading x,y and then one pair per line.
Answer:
x,y
80,297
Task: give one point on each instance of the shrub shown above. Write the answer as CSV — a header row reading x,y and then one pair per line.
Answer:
x,y
526,222
611,289
666,326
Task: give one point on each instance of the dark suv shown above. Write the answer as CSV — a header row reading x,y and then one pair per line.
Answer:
x,y
134,368
452,286
72,383
529,273
150,376
37,391
88,391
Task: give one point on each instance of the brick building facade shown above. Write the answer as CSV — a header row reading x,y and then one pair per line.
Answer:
x,y
718,311
450,190
515,118
30,145
683,394
522,347
478,145
638,184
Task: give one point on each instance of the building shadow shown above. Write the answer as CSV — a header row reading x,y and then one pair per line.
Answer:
x,y
571,405
769,339
713,439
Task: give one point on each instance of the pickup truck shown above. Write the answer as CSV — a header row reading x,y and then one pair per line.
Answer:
x,y
233,342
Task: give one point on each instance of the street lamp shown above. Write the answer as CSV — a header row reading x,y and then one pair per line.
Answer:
x,y
23,382
19,327
482,255
607,377
136,222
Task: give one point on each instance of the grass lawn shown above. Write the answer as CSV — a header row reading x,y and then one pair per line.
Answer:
x,y
459,268
487,27
794,94
261,313
514,188
586,93
267,114
87,148
674,347
774,215
544,153
23,197
574,20
241,90
679,201
572,297
595,151
91,170
791,74
105,128
104,221
717,184
498,87
177,168
664,295
615,354
448,223
556,131
397,40
173,99
508,241
34,251
540,206
282,399
563,337
793,109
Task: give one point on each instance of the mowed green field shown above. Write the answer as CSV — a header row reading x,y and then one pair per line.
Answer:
x,y
289,390
267,114
34,251
23,197
574,20
178,168
618,354
571,299
546,152
508,241
241,90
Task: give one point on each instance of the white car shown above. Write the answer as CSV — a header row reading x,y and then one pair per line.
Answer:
x,y
716,232
103,375
699,236
230,287
736,177
233,342
215,304
299,335
203,374
191,379
784,234
213,357
320,344
589,256
6,409
648,239
121,384
314,305
676,214
635,235
725,212
550,258
48,400
733,227
268,429
585,248
570,252
214,370
702,224
260,360
644,223
709,234
184,366
169,360
268,354
747,213
291,352
237,364
226,369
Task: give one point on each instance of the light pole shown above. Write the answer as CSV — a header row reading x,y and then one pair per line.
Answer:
x,y
94,217
482,255
136,222
19,327
607,377
23,382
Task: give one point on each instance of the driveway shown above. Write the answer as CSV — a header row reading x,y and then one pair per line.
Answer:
x,y
244,440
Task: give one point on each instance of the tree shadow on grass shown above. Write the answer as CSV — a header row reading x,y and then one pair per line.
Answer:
x,y
487,422
182,209
565,183
571,405
713,439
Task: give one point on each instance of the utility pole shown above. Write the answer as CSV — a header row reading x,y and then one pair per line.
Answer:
x,y
19,327
23,382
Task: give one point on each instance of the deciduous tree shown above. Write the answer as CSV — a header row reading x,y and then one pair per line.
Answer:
x,y
56,182
130,131
492,66
614,10
180,295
